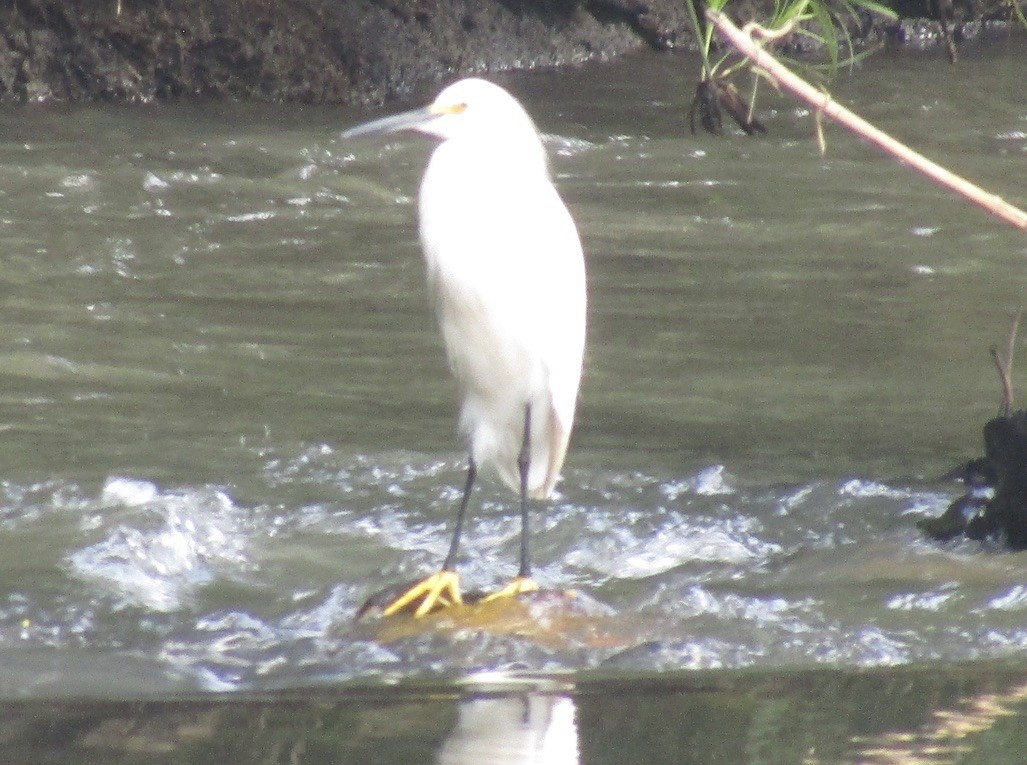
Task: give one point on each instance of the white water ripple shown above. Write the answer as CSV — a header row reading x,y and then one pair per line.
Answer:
x,y
171,544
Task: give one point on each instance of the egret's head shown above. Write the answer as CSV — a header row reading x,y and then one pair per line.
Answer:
x,y
467,109
474,108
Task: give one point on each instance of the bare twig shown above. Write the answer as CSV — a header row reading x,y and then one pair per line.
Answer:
x,y
942,10
818,125
788,80
752,29
1005,365
1007,384
1014,324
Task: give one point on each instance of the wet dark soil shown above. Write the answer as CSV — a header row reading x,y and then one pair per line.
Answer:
x,y
357,51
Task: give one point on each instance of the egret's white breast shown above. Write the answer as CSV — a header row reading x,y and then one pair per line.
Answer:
x,y
505,266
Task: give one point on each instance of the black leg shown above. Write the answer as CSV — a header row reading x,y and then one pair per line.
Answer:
x,y
472,471
523,464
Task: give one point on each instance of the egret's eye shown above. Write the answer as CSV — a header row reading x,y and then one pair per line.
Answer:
x,y
455,108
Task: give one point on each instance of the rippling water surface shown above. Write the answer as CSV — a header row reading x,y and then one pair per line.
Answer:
x,y
227,420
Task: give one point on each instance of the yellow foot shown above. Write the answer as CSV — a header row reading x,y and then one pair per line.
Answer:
x,y
518,586
439,590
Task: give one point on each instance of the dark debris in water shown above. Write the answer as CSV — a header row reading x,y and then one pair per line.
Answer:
x,y
994,508
714,95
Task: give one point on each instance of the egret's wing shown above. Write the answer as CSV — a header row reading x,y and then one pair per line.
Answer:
x,y
506,266
562,338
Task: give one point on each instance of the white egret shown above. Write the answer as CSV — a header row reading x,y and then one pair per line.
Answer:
x,y
507,276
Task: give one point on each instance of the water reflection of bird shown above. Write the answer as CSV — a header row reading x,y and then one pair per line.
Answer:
x,y
507,274
528,729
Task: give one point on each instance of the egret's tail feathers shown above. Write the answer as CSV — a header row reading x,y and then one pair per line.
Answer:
x,y
558,439
548,449
497,441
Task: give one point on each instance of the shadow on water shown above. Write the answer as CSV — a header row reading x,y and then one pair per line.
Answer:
x,y
914,715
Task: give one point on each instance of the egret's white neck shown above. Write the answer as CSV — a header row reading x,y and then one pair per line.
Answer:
x,y
517,155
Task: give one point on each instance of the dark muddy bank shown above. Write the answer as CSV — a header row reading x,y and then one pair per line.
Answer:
x,y
326,51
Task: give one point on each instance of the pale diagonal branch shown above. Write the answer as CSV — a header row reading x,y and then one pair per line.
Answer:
x,y
766,65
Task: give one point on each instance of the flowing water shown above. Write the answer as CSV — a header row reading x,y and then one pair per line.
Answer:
x,y
227,419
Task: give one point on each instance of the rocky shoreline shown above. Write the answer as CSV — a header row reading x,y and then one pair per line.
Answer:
x,y
348,51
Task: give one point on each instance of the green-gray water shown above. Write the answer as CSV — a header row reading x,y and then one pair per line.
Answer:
x,y
227,418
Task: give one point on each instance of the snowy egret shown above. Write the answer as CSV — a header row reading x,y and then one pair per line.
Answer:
x,y
507,276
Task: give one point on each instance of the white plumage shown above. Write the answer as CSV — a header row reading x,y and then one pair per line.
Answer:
x,y
506,269
507,276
